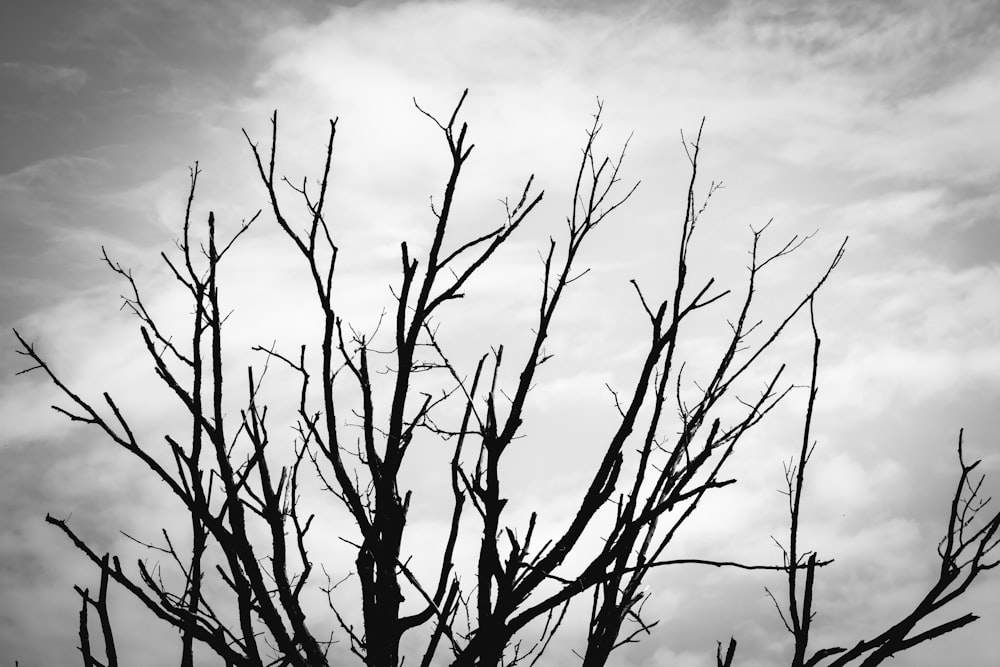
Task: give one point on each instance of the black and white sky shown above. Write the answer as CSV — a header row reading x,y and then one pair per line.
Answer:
x,y
875,120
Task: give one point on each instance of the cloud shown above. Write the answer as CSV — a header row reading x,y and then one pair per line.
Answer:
x,y
926,333
57,214
45,77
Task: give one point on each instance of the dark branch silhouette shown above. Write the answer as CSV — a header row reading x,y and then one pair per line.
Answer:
x,y
238,588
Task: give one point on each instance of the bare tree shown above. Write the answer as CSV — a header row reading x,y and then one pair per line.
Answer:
x,y
236,483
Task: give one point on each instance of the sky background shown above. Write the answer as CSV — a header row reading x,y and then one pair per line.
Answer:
x,y
874,120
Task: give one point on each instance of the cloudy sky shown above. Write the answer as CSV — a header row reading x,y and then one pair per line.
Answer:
x,y
873,120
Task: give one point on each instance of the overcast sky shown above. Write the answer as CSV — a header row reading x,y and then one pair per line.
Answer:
x,y
874,120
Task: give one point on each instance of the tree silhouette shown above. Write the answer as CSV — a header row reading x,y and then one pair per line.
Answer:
x,y
242,584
